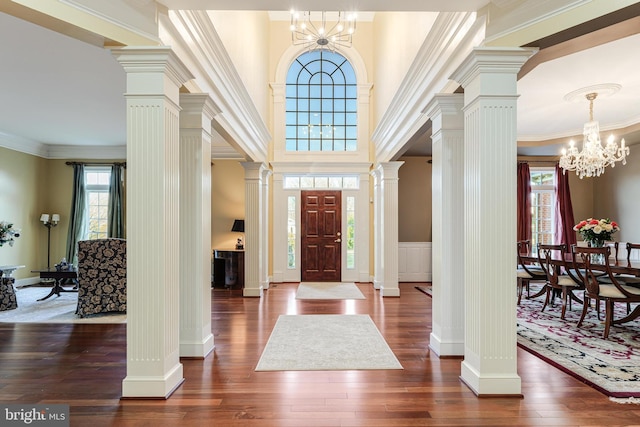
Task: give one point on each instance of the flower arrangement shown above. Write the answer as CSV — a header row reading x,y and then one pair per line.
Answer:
x,y
596,231
8,233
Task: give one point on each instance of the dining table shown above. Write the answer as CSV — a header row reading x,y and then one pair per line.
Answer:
x,y
617,266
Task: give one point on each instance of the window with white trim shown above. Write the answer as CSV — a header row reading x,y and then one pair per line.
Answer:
x,y
97,181
291,232
543,202
321,182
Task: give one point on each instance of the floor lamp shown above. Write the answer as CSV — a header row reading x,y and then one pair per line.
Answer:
x,y
49,222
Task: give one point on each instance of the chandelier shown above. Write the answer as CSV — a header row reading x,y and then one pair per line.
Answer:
x,y
315,32
593,158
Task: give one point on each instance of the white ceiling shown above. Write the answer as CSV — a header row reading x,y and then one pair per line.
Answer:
x,y
60,92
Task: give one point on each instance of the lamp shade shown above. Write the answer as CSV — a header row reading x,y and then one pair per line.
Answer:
x,y
238,225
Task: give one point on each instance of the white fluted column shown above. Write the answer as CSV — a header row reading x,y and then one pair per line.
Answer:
x,y
489,78
264,230
154,76
378,267
253,256
389,227
196,339
447,136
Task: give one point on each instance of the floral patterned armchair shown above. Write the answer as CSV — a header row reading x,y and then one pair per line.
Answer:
x,y
102,276
7,293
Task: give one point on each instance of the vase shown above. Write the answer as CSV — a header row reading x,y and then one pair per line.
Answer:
x,y
597,258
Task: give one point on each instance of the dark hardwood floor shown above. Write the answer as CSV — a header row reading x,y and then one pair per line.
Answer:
x,y
83,365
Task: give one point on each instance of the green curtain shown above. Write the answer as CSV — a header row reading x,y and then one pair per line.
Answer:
x,y
77,215
116,202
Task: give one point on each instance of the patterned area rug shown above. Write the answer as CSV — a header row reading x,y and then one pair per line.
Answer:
x,y
611,366
331,342
328,290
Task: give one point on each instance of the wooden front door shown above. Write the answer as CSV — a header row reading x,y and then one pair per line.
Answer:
x,y
321,236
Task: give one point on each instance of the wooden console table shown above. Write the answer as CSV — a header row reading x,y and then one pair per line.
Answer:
x,y
233,267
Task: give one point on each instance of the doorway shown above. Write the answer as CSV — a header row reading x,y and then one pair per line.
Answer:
x,y
321,236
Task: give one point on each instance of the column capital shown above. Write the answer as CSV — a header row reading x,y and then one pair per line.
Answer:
x,y
197,110
253,170
388,170
504,60
444,104
152,60
198,103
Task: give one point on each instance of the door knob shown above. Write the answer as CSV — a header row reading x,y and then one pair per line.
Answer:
x,y
338,240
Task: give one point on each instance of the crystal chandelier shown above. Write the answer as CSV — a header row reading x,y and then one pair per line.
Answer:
x,y
593,158
314,32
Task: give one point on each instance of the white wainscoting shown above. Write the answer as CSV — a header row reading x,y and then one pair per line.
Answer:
x,y
414,262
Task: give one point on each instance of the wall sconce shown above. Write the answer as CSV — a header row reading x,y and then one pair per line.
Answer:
x,y
238,227
49,221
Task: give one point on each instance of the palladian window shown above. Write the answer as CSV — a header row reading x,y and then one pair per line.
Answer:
x,y
321,104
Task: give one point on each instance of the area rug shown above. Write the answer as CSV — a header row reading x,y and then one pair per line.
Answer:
x,y
57,309
328,290
612,366
318,342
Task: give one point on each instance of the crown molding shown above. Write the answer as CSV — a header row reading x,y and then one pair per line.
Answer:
x,y
83,15
225,153
449,41
86,152
23,145
53,151
195,40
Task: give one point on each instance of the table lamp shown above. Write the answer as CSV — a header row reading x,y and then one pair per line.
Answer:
x,y
238,227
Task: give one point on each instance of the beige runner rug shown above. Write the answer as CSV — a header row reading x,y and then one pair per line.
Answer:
x,y
328,290
326,342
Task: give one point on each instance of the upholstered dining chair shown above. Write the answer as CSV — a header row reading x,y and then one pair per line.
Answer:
x,y
102,276
561,276
610,293
526,272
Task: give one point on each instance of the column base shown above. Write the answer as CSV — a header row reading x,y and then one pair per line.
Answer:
x,y
148,386
197,349
252,292
377,284
445,348
389,292
486,385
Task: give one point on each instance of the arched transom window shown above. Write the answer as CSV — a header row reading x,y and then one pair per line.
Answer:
x,y
321,103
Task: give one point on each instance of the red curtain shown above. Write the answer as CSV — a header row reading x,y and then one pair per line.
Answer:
x,y
564,210
524,202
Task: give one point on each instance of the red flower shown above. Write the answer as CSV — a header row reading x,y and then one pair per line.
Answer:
x,y
594,222
614,224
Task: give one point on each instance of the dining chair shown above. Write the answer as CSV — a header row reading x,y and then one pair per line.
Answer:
x,y
560,277
610,293
527,272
